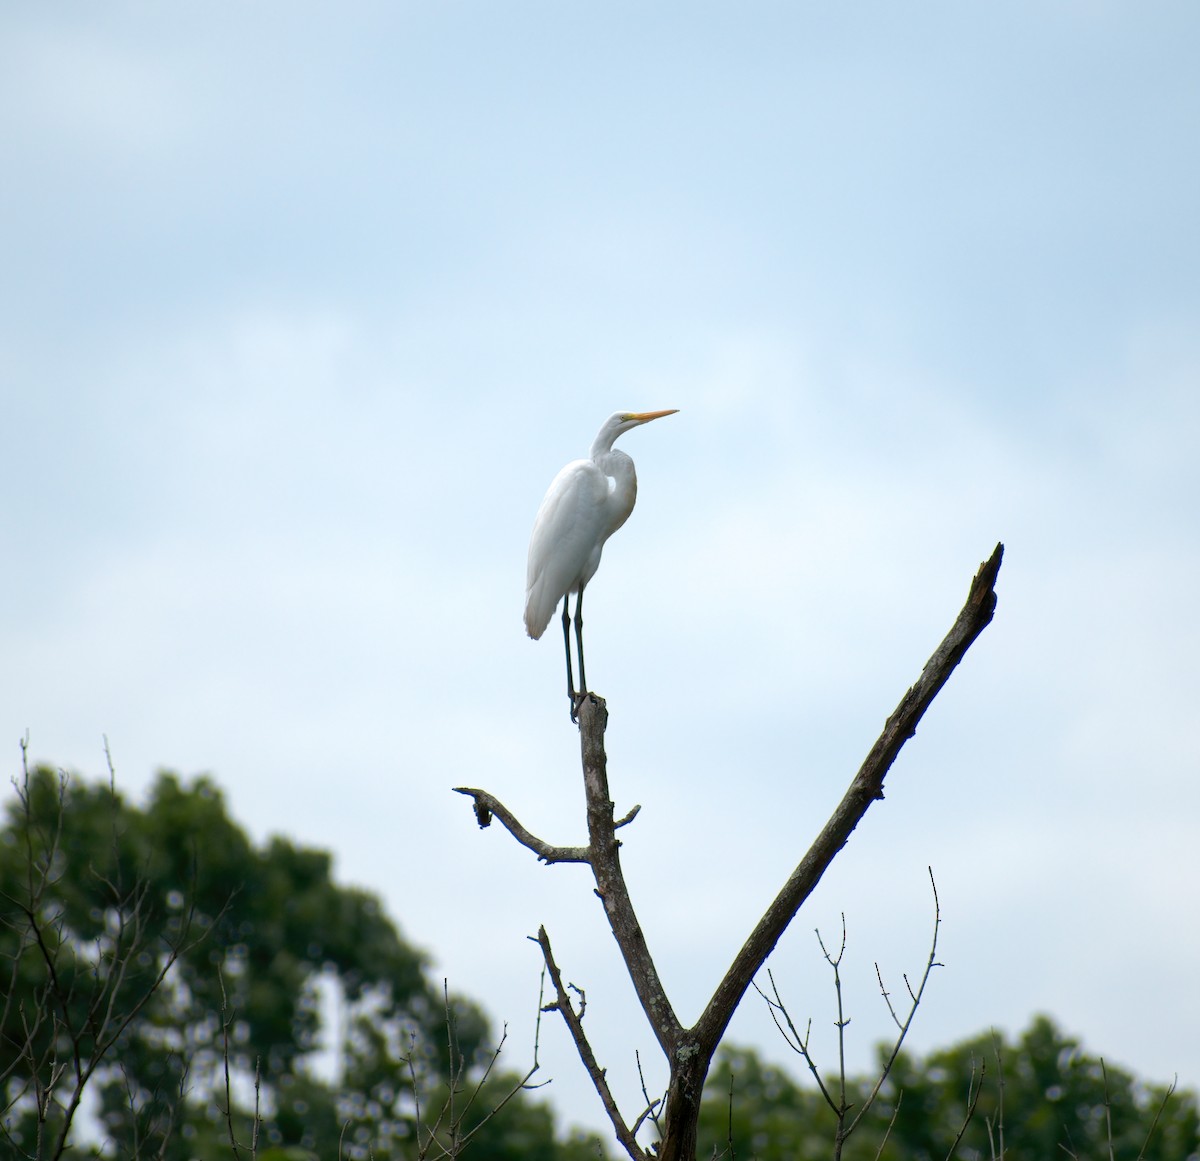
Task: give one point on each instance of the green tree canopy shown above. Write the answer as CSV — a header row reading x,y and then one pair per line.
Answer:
x,y
1056,1101
150,953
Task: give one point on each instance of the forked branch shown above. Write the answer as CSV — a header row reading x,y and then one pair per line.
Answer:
x,y
689,1051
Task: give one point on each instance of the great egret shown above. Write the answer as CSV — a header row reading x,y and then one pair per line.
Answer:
x,y
584,505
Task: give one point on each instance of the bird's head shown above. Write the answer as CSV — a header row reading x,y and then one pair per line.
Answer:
x,y
620,422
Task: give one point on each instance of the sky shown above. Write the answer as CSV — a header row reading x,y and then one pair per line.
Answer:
x,y
301,308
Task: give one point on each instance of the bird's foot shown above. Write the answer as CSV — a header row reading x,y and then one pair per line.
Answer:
x,y
577,700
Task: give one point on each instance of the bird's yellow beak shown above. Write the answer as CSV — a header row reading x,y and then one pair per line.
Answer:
x,y
646,416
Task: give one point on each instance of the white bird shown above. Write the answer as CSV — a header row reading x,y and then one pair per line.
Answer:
x,y
584,505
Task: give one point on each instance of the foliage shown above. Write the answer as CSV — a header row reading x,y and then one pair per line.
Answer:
x,y
183,976
157,958
1055,1101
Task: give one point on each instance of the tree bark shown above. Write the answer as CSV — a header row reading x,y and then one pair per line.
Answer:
x,y
689,1051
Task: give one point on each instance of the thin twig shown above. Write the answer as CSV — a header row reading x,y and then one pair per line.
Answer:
x,y
792,1037
973,1091
890,1126
843,1108
930,964
995,1128
1107,1111
1162,1108
651,1108
226,1020
729,1121
459,1138
257,1124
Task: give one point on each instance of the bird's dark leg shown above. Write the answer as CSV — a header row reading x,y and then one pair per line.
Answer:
x,y
579,640
566,624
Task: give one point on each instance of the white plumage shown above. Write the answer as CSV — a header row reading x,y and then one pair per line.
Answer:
x,y
585,504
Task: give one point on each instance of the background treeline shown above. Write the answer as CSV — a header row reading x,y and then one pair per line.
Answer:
x,y
167,985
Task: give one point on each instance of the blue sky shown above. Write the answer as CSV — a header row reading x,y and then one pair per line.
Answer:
x,y
304,306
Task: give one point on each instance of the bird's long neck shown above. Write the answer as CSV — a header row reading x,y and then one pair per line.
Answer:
x,y
622,488
602,445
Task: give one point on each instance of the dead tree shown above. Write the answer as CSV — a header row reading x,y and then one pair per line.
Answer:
x,y
689,1051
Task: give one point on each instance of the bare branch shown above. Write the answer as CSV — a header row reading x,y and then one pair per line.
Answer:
x,y
792,1037
610,881
562,1005
652,1104
625,820
487,804
930,964
842,1021
866,788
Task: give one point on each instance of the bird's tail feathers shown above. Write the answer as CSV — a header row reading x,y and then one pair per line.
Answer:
x,y
538,610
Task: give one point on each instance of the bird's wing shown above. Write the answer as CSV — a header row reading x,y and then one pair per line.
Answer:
x,y
568,534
